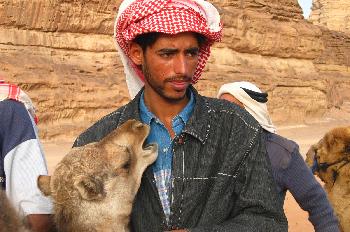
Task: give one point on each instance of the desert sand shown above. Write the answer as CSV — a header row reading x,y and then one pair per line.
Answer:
x,y
304,134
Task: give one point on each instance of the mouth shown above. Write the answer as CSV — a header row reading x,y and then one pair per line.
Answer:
x,y
147,146
180,84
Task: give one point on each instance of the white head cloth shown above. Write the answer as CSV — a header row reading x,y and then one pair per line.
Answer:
x,y
144,8
257,109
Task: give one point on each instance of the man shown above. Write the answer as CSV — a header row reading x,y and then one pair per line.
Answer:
x,y
288,167
211,173
22,158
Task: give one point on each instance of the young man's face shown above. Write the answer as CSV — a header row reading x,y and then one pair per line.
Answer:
x,y
169,65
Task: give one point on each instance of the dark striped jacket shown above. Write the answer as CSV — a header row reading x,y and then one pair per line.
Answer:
x,y
222,178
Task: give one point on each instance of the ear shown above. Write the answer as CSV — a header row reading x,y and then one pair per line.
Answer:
x,y
44,184
310,155
136,53
90,188
330,141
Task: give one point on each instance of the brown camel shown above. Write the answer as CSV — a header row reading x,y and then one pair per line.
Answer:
x,y
330,159
94,186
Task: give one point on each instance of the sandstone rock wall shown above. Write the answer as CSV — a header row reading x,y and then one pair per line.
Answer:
x,y
88,17
62,53
334,15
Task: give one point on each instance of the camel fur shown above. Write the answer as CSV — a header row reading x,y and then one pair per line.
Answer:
x,y
94,186
331,157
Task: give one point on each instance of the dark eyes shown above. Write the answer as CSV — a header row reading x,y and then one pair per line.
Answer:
x,y
166,55
191,53
126,165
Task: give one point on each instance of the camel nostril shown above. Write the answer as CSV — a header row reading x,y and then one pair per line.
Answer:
x,y
148,146
138,125
126,165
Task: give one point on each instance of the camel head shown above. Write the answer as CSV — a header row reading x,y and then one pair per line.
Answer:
x,y
330,154
94,185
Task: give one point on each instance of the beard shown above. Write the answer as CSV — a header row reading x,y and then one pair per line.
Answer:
x,y
158,86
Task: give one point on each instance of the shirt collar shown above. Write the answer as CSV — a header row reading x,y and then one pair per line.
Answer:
x,y
145,114
201,115
185,114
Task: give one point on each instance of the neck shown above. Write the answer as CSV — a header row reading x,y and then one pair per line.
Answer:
x,y
164,108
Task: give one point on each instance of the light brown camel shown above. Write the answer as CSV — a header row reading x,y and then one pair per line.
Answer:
x,y
330,159
94,186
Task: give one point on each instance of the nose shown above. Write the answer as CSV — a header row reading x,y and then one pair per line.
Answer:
x,y
180,65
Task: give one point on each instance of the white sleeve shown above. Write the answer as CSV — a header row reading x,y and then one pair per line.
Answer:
x,y
22,165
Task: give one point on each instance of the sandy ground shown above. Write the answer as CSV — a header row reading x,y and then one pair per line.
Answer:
x,y
305,135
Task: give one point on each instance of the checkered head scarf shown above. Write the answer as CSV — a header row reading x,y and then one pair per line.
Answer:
x,y
136,17
13,92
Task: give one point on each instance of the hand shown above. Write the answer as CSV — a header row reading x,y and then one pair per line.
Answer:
x,y
41,222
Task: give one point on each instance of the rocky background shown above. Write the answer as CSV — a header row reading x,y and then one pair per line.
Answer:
x,y
332,14
62,53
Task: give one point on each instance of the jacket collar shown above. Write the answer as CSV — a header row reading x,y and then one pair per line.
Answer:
x,y
199,123
197,126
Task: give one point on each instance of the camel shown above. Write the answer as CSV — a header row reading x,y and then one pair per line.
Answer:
x,y
330,159
94,186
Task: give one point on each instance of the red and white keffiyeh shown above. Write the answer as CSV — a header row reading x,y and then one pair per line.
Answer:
x,y
137,17
11,91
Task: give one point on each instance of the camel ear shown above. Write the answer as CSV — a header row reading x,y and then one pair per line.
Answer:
x,y
44,184
310,155
330,141
90,188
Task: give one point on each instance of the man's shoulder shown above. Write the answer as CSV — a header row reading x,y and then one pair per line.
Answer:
x,y
231,114
10,110
280,150
9,106
100,129
281,142
16,125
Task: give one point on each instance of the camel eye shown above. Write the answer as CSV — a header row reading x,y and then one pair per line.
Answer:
x,y
126,165
347,148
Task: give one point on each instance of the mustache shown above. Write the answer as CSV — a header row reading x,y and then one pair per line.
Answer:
x,y
179,78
